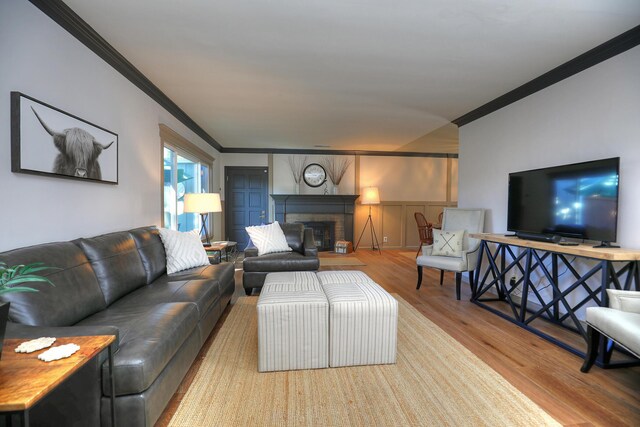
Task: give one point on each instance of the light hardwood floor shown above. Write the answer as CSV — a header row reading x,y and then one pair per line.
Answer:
x,y
547,374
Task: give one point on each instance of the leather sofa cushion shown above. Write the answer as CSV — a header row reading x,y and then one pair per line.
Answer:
x,y
116,262
282,261
294,233
74,296
222,272
150,335
151,251
203,293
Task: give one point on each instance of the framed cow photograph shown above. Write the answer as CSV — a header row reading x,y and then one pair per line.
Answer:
x,y
48,141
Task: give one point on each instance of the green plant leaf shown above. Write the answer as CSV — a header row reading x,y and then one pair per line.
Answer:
x,y
17,289
28,278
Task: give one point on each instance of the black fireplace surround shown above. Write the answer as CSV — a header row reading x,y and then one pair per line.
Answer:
x,y
317,204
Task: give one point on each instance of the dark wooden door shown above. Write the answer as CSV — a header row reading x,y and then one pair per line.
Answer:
x,y
246,201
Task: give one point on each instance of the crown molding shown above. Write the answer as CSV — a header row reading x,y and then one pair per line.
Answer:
x,y
64,16
606,50
337,152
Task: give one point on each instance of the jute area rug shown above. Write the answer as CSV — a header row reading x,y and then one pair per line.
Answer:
x,y
435,382
324,262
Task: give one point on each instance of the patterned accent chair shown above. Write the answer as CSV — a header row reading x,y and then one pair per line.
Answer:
x,y
470,220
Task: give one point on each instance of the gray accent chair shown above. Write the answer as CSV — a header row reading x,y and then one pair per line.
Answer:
x,y
454,219
116,284
303,257
619,322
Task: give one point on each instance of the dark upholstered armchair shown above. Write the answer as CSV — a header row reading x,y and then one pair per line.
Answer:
x,y
303,257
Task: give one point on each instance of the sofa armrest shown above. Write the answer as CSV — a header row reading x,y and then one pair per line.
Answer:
x,y
310,248
471,257
250,251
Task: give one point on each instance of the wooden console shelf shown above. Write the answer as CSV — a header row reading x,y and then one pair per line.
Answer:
x,y
610,268
582,250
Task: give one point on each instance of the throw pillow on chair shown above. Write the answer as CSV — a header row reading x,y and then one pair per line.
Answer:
x,y
447,243
268,238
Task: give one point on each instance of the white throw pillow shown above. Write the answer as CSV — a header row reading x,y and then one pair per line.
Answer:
x,y
184,250
447,243
268,238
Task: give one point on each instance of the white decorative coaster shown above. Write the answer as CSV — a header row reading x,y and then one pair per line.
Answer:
x,y
59,352
35,345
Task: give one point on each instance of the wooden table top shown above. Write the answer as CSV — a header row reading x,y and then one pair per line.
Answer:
x,y
582,250
218,246
24,379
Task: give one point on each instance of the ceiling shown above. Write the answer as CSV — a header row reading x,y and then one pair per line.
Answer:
x,y
377,75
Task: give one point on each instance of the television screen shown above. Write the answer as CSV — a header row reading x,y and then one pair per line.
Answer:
x,y
578,200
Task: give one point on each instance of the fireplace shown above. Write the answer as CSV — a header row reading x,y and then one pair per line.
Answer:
x,y
316,208
323,233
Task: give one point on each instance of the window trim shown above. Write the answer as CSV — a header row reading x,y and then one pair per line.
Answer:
x,y
185,148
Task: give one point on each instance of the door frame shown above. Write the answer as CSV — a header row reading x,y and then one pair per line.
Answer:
x,y
227,169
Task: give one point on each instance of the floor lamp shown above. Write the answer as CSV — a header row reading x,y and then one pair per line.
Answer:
x,y
370,196
203,203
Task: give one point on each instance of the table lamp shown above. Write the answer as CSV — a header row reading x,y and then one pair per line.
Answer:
x,y
370,196
203,203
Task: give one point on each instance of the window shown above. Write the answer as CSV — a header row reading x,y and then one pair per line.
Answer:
x,y
186,169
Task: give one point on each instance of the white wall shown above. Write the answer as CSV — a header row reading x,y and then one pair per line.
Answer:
x,y
42,60
592,115
283,182
405,178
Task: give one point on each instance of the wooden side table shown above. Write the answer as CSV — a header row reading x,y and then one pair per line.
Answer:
x,y
24,379
225,247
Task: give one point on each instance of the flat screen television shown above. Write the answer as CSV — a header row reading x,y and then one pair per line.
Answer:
x,y
577,201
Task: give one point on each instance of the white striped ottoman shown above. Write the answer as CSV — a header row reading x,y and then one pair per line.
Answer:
x,y
293,323
363,320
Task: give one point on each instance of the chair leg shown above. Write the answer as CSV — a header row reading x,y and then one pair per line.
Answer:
x,y
419,277
248,291
608,351
472,283
593,340
441,276
458,282
419,249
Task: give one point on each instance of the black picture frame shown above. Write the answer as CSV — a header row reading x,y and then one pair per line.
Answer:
x,y
48,141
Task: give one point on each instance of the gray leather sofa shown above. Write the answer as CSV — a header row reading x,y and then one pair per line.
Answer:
x,y
303,257
117,284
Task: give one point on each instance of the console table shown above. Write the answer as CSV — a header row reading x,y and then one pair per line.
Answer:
x,y
614,268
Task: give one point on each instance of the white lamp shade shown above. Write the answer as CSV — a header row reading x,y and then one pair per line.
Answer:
x,y
202,202
370,196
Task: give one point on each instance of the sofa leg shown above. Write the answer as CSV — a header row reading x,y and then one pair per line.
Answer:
x,y
248,291
419,277
441,276
593,340
458,282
